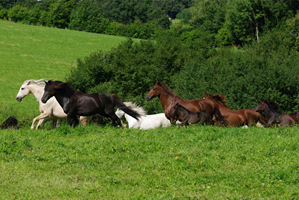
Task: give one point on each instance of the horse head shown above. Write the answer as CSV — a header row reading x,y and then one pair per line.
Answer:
x,y
49,91
261,106
24,91
154,91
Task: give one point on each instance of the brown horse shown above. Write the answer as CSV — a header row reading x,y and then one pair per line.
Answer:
x,y
76,103
274,116
168,100
189,117
235,117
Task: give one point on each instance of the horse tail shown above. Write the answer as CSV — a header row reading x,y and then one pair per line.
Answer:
x,y
219,117
124,108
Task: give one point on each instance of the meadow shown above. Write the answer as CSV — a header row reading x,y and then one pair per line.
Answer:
x,y
106,162
35,52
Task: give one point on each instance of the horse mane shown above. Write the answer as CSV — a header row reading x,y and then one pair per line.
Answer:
x,y
169,91
68,91
39,82
273,106
218,98
133,106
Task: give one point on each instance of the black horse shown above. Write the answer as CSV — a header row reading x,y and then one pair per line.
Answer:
x,y
189,117
76,103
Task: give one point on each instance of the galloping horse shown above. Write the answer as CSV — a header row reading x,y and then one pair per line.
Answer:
x,y
76,103
235,117
274,116
50,110
169,99
145,121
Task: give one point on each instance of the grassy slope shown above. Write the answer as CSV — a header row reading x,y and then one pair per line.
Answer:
x,y
33,52
195,162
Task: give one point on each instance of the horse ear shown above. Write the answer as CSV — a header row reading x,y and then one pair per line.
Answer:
x,y
28,82
158,83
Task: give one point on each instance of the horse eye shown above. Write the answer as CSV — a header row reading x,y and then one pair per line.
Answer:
x,y
154,89
22,88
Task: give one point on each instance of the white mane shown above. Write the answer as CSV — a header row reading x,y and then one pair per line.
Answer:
x,y
40,82
140,110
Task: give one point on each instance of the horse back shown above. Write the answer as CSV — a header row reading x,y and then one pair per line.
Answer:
x,y
289,119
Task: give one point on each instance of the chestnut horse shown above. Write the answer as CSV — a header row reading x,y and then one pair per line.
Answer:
x,y
169,99
76,103
274,116
235,117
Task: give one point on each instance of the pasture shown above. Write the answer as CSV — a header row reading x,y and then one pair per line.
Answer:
x,y
196,162
99,162
34,52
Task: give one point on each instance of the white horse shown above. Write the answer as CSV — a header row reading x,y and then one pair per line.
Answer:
x,y
145,121
50,110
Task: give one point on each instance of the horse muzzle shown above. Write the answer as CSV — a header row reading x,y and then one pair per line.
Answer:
x,y
148,98
19,99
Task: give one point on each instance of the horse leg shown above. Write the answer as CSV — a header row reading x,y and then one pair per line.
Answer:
x,y
115,120
42,116
41,121
72,119
48,119
54,123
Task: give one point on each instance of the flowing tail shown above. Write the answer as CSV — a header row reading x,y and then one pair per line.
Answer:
x,y
124,108
219,117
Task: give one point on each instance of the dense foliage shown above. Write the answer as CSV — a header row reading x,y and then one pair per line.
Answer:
x,y
267,69
228,21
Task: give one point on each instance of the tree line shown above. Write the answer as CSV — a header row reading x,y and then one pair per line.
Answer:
x,y
229,22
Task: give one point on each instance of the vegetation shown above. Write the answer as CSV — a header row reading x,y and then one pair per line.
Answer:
x,y
264,70
31,52
170,163
227,22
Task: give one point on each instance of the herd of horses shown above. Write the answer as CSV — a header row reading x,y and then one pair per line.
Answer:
x,y
57,100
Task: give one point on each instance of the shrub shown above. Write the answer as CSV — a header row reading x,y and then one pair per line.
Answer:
x,y
17,13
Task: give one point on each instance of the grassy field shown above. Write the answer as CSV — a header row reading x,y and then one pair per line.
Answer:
x,y
173,163
34,52
105,162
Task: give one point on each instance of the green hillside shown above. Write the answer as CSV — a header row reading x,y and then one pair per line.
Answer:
x,y
34,52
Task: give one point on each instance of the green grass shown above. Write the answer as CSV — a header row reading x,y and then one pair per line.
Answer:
x,y
173,163
34,52
107,162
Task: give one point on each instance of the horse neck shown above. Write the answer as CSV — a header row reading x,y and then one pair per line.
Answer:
x,y
269,113
62,98
220,106
37,91
168,99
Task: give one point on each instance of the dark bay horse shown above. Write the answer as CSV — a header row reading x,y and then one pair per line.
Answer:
x,y
169,99
274,116
76,103
235,117
189,117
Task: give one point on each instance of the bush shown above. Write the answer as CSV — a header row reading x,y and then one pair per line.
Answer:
x,y
17,13
3,13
